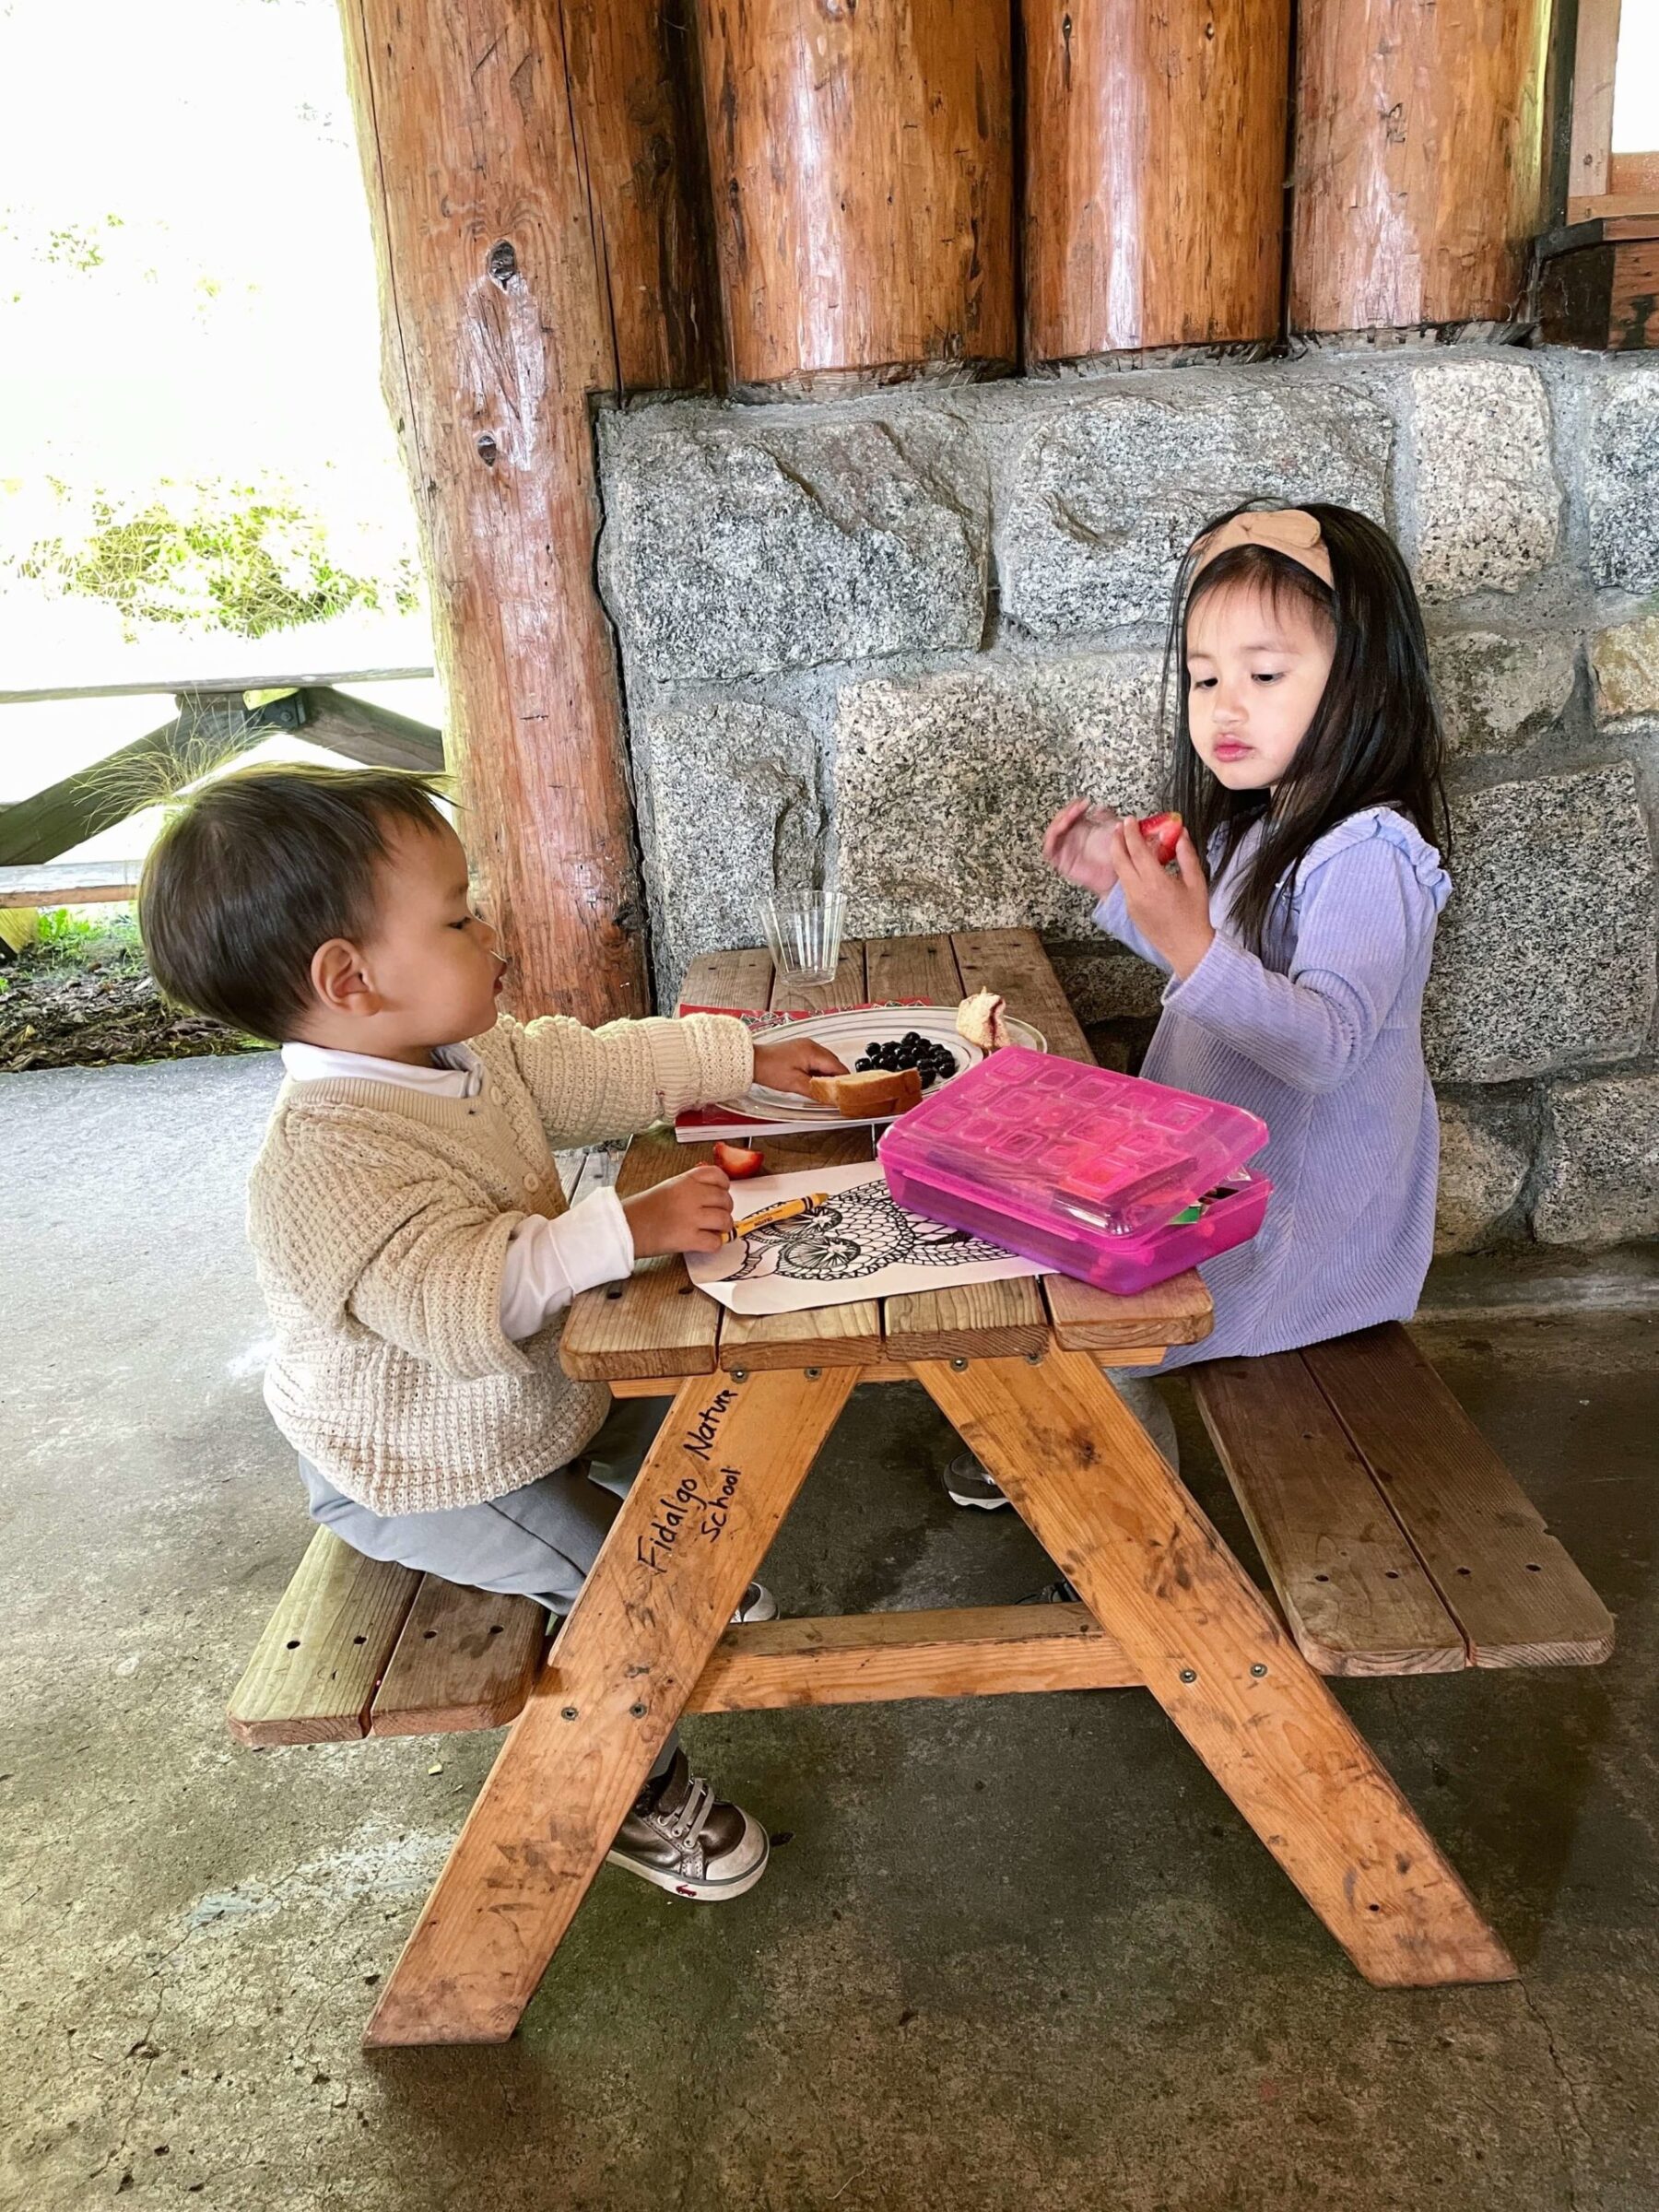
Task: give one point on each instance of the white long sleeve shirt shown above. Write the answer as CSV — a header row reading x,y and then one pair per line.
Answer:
x,y
548,1261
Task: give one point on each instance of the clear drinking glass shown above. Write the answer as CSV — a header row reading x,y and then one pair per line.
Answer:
x,y
804,930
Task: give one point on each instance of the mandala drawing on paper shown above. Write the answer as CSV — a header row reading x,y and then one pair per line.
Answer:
x,y
855,1233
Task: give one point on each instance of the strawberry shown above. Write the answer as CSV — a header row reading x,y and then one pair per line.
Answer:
x,y
738,1161
1162,832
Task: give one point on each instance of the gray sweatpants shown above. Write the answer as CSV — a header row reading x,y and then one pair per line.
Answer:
x,y
538,1542
1140,1393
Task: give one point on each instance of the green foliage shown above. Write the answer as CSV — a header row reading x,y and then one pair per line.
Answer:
x,y
76,246
65,935
240,558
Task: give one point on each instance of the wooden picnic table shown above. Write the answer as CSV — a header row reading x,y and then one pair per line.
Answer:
x,y
1017,1369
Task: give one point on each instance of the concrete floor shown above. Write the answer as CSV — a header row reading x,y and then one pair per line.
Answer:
x,y
1016,1953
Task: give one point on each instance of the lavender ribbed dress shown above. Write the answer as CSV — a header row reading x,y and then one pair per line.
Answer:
x,y
1324,1041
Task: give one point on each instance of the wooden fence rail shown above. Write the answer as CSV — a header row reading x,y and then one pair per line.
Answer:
x,y
210,727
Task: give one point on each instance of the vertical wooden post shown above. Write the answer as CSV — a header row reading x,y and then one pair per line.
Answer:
x,y
628,62
1418,161
509,245
861,156
1154,174
1590,146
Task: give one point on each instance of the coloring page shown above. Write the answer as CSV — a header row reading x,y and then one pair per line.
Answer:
x,y
844,1237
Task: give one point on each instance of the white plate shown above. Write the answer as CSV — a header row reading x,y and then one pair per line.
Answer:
x,y
849,1033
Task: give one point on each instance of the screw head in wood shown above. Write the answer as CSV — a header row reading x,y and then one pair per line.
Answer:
x,y
638,1712
566,1712
1189,1674
1258,1670
959,1367
740,1374
1033,1358
812,1373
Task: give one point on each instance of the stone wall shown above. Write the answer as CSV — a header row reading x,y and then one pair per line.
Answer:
x,y
898,633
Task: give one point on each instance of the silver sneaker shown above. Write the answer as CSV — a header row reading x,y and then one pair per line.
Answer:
x,y
755,1603
686,1841
966,1483
1053,1593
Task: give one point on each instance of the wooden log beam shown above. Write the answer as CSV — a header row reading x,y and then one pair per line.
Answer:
x,y
1154,174
208,728
499,279
1418,171
862,167
373,736
630,68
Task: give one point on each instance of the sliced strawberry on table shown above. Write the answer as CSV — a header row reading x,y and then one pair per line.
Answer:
x,y
738,1161
1162,832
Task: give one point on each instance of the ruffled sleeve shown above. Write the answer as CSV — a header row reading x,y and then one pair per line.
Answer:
x,y
1360,929
1422,860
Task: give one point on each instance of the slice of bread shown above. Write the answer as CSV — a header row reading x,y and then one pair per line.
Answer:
x,y
878,1090
981,1020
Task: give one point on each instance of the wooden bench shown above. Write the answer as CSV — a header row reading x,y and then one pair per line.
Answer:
x,y
1395,1540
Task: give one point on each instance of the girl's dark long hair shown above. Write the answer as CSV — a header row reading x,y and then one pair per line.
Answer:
x,y
1375,739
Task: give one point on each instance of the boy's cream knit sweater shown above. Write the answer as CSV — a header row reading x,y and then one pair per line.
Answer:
x,y
379,1218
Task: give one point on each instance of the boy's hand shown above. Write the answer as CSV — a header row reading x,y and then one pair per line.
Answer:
x,y
789,1063
693,1213
1077,845
1169,906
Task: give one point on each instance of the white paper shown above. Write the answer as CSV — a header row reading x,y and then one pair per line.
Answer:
x,y
852,1241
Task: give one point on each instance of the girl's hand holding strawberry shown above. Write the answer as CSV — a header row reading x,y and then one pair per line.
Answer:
x,y
1169,906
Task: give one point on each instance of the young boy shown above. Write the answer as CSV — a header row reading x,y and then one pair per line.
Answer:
x,y
405,1211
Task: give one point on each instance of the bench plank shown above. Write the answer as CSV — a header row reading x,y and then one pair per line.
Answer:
x,y
1510,1586
970,1652
465,1659
312,1675
1353,1591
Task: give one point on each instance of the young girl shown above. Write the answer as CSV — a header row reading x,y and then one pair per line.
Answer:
x,y
1307,771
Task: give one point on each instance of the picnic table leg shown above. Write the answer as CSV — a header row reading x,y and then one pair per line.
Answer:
x,y
689,1537
1121,1526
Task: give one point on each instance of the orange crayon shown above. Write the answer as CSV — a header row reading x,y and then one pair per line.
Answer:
x,y
784,1210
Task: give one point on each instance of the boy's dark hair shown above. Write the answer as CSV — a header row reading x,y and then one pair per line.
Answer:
x,y
255,870
1375,739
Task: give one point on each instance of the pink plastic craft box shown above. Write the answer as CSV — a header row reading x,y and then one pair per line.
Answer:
x,y
1117,1182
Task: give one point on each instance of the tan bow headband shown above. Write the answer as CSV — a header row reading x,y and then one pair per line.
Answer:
x,y
1289,530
